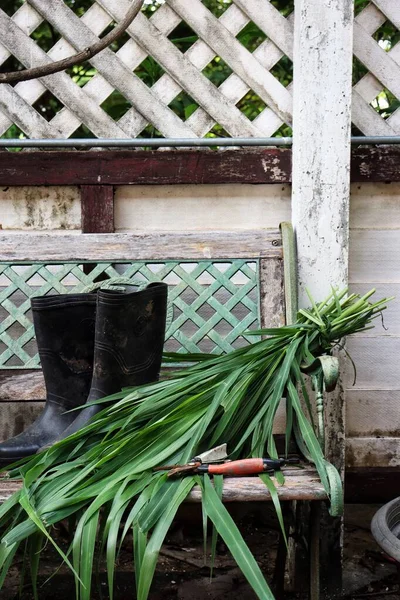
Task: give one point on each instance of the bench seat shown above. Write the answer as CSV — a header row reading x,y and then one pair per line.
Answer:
x,y
300,484
221,283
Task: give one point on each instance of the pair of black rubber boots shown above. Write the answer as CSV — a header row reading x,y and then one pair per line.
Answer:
x,y
90,346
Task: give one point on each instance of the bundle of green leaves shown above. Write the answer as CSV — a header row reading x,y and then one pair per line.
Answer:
x,y
103,475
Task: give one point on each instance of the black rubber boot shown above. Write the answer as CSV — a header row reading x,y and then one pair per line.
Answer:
x,y
65,329
129,340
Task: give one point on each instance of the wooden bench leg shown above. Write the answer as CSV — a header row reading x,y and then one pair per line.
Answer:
x,y
315,530
331,555
298,559
314,561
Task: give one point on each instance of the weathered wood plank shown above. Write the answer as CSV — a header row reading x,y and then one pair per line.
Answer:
x,y
320,201
362,485
375,164
370,86
366,119
28,20
272,298
373,452
373,413
374,256
20,112
277,27
390,10
44,247
7,488
200,207
368,412
38,208
201,54
253,166
21,387
306,486
131,54
234,88
270,165
300,484
377,362
97,204
375,205
15,417
367,89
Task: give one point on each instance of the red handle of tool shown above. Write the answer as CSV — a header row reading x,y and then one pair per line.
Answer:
x,y
248,466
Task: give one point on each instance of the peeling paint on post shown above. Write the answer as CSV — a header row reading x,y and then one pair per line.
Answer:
x,y
321,145
320,211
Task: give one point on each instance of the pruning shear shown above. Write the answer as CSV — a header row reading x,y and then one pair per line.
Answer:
x,y
215,462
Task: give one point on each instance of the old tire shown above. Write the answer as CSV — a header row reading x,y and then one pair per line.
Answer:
x,y
385,527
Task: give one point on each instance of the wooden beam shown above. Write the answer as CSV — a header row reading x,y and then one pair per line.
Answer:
x,y
254,166
364,485
59,247
380,164
303,484
140,167
97,205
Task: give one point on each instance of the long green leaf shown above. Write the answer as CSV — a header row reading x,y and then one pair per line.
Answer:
x,y
309,437
88,543
265,478
139,550
157,537
35,543
219,488
229,532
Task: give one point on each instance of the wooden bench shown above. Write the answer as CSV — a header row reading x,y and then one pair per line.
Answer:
x,y
220,285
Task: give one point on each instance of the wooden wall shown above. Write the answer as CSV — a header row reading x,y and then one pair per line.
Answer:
x,y
373,403
40,208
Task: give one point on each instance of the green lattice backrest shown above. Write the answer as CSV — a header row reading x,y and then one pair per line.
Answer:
x,y
213,301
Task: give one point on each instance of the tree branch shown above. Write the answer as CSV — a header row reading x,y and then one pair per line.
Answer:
x,y
76,59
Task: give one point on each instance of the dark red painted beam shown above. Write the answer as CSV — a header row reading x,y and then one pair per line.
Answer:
x,y
376,164
140,167
97,203
268,165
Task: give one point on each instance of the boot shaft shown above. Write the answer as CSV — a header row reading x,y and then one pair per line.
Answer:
x,y
129,339
65,329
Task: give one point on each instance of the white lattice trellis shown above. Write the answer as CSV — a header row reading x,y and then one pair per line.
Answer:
x,y
182,72
383,66
149,37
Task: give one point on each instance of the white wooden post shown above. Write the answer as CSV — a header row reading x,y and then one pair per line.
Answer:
x,y
320,213
321,144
